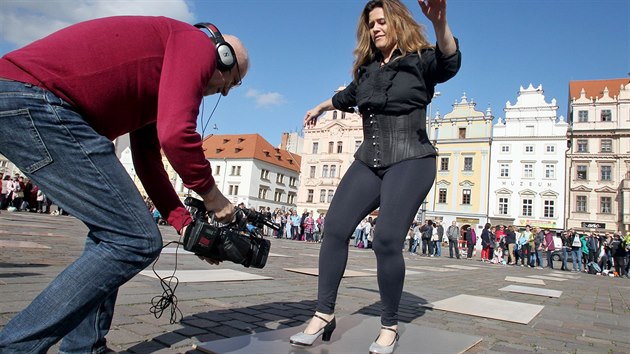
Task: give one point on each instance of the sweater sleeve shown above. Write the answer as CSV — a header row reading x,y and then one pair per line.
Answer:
x,y
147,161
189,62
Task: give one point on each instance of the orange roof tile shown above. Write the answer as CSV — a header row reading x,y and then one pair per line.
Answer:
x,y
248,146
595,88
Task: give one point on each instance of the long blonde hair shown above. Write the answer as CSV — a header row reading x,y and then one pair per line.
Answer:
x,y
410,35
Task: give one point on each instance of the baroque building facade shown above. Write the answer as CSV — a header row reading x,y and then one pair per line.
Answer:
x,y
598,161
328,151
528,162
460,193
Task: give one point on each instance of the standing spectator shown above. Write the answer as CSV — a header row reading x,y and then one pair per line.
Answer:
x,y
367,230
471,240
592,244
539,239
618,248
41,201
416,238
549,247
302,224
485,243
295,225
435,240
440,236
500,232
566,248
5,191
358,232
523,242
309,227
510,240
321,221
576,251
453,239
427,232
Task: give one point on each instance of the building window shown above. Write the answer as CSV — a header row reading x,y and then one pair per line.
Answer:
x,y
582,145
606,115
582,172
331,147
236,171
462,133
325,171
528,170
315,148
466,196
582,116
322,196
312,172
343,115
442,196
357,144
217,170
529,149
334,114
333,171
605,205
550,171
550,149
293,180
504,170
280,178
291,198
528,207
330,195
339,147
468,163
309,197
505,148
264,174
606,145
278,195
444,164
580,204
606,173
549,209
233,190
503,206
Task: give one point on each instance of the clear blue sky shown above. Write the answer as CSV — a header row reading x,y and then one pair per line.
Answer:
x,y
301,50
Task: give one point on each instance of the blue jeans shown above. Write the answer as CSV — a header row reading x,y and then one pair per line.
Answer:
x,y
358,236
564,258
78,169
437,245
576,253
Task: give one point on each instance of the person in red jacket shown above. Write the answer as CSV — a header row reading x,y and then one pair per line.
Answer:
x,y
67,96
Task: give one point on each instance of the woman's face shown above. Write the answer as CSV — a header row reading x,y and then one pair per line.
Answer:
x,y
378,30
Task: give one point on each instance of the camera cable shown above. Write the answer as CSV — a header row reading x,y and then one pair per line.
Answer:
x,y
161,303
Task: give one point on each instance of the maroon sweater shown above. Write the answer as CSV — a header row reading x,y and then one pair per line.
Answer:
x,y
130,74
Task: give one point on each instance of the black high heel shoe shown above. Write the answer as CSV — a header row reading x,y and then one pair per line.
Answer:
x,y
303,339
376,348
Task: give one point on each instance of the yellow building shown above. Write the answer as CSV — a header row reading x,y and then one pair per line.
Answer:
x,y
460,193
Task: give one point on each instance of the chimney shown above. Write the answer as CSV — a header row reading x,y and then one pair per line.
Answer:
x,y
284,141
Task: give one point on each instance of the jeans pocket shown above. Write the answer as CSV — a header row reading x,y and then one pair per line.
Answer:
x,y
21,142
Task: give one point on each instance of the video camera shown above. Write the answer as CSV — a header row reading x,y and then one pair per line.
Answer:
x,y
237,241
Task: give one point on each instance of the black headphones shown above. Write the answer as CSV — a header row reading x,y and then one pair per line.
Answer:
x,y
225,52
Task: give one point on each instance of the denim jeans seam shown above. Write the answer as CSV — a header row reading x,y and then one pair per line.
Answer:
x,y
120,198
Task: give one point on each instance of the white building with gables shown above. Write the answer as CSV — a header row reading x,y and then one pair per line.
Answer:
x,y
528,162
327,153
598,166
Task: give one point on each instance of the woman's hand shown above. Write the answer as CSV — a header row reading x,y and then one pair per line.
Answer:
x,y
434,10
310,119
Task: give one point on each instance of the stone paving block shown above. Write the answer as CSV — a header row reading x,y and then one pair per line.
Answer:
x,y
199,322
191,331
170,338
122,336
228,331
142,329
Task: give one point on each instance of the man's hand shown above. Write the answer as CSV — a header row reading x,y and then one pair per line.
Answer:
x,y
217,203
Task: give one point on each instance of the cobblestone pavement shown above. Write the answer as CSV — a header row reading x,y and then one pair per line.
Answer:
x,y
591,316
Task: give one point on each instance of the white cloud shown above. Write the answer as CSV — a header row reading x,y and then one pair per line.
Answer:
x,y
25,21
266,99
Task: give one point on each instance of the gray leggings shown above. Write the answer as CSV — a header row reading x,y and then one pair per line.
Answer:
x,y
398,190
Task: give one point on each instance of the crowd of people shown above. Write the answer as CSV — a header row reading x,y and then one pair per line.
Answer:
x,y
307,227
20,194
596,253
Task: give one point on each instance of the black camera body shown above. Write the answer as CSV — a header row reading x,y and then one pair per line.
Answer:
x,y
234,242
